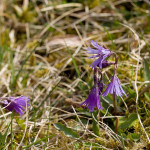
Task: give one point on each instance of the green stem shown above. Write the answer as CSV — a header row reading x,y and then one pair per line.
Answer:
x,y
114,103
12,131
115,111
117,123
95,76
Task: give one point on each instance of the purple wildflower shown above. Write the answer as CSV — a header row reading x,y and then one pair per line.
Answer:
x,y
106,64
93,99
101,53
16,103
114,86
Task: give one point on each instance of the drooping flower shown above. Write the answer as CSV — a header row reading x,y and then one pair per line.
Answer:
x,y
18,104
100,62
93,99
106,64
97,49
114,86
101,52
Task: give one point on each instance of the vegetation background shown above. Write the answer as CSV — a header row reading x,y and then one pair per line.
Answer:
x,y
42,55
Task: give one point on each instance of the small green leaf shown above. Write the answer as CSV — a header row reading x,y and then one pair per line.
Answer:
x,y
68,131
84,112
131,92
125,123
147,95
135,136
146,71
88,144
77,145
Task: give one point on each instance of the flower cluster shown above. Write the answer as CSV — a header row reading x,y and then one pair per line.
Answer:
x,y
101,54
17,104
114,87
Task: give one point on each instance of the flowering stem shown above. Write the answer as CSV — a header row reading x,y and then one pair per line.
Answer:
x,y
114,94
115,111
95,76
96,128
12,131
114,103
116,61
117,123
101,75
